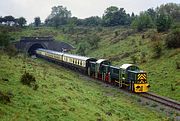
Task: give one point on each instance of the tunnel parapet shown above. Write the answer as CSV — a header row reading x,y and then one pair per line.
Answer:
x,y
30,44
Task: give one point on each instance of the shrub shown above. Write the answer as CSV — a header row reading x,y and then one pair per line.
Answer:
x,y
28,79
93,41
116,33
82,49
143,57
5,98
177,65
11,50
173,39
143,21
157,49
134,59
4,39
163,22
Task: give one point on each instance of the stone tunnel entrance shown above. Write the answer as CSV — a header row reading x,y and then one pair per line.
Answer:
x,y
33,48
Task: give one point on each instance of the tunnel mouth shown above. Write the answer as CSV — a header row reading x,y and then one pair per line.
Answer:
x,y
33,48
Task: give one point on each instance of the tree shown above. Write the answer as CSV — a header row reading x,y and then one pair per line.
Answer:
x,y
93,41
21,21
82,49
9,20
92,21
114,16
1,19
171,9
37,21
142,22
173,39
59,16
152,13
163,22
4,39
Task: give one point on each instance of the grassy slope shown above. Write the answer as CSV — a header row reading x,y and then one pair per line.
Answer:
x,y
63,95
162,72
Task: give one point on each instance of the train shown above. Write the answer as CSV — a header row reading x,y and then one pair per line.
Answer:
x,y
127,76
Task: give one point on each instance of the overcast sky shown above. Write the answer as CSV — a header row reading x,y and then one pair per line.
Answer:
x,y
79,8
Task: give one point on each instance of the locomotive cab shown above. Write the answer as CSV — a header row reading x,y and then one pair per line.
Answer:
x,y
139,81
134,78
102,69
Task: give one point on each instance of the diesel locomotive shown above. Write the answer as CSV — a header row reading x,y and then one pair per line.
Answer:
x,y
126,76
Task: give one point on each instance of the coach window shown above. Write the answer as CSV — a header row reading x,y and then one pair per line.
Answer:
x,y
81,63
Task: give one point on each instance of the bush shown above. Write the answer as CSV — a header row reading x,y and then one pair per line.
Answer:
x,y
177,64
4,98
134,59
143,21
4,39
82,49
143,57
11,50
173,39
93,41
28,79
163,22
157,49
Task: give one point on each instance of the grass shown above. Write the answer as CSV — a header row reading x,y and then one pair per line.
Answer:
x,y
123,47
63,95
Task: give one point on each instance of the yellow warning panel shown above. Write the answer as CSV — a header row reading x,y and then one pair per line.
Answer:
x,y
141,77
141,87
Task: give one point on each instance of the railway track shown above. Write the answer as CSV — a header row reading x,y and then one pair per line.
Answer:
x,y
163,100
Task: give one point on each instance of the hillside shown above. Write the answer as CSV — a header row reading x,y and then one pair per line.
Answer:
x,y
124,45
63,95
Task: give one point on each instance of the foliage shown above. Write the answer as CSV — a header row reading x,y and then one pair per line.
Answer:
x,y
1,19
134,59
4,98
82,49
163,22
92,21
143,21
173,39
4,39
9,20
11,50
21,21
37,21
28,79
157,49
114,16
171,9
178,65
152,13
93,41
59,16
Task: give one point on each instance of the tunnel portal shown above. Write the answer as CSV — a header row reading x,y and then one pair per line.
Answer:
x,y
33,48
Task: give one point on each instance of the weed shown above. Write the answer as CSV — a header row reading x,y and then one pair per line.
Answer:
x,y
173,87
27,79
162,109
157,49
147,103
134,59
139,100
177,65
4,98
154,105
